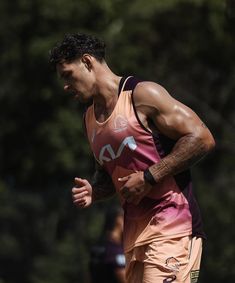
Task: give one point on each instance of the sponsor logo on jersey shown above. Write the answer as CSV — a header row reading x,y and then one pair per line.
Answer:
x,y
107,153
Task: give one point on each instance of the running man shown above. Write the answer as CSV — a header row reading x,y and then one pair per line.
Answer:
x,y
144,142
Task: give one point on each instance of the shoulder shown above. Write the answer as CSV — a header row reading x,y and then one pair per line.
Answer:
x,y
149,86
150,90
152,95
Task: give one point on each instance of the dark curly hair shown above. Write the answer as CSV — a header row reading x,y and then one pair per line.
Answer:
x,y
74,46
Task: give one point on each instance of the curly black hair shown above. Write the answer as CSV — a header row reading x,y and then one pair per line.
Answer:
x,y
74,46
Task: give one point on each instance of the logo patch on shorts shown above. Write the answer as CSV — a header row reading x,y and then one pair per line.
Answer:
x,y
173,264
194,274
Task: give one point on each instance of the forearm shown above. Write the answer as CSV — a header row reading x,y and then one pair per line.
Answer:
x,y
101,193
186,152
102,186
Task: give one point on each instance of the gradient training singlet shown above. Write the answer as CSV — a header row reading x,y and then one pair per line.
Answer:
x,y
122,145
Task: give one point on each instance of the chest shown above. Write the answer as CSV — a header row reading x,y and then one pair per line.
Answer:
x,y
114,139
121,138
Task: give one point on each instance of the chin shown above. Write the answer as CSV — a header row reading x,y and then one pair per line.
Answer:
x,y
82,99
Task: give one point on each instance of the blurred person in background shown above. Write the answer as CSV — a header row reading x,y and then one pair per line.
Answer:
x,y
144,142
107,259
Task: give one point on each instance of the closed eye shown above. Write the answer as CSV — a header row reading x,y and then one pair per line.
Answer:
x,y
66,75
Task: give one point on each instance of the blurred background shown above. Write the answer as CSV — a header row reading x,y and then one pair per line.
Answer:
x,y
188,46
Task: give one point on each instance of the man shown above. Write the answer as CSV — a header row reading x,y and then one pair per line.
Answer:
x,y
144,142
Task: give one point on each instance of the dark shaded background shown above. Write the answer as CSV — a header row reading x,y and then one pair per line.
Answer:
x,y
187,46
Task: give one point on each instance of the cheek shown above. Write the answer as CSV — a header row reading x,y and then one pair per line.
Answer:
x,y
85,87
85,83
89,84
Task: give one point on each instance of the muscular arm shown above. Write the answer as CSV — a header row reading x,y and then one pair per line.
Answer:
x,y
176,121
187,151
102,185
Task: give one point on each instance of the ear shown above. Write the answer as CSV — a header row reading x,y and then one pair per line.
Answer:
x,y
87,61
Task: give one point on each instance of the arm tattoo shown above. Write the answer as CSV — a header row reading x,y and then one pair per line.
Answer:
x,y
186,152
102,185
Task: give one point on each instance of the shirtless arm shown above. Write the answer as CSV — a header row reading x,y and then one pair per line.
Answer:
x,y
176,121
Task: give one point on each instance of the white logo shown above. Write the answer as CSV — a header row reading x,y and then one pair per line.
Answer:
x,y
107,153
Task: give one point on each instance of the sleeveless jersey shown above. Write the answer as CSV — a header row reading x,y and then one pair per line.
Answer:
x,y
122,145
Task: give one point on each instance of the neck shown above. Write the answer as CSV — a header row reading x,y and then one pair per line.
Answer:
x,y
107,93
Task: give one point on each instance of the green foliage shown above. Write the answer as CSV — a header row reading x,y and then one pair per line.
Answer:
x,y
187,46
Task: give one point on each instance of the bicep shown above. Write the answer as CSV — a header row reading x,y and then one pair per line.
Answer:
x,y
171,117
175,120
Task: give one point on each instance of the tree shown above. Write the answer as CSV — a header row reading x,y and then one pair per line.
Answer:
x,y
187,46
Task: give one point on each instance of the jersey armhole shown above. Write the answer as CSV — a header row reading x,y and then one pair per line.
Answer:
x,y
84,123
134,84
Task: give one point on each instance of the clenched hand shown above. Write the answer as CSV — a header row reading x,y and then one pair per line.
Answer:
x,y
134,188
82,193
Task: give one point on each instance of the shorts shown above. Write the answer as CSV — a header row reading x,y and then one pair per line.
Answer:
x,y
172,260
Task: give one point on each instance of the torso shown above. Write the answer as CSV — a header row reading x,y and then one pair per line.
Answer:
x,y
122,145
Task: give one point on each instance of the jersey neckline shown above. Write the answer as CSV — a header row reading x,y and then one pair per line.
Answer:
x,y
122,84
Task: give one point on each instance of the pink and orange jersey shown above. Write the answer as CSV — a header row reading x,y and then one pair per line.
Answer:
x,y
122,145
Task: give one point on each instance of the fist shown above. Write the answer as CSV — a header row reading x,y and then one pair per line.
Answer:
x,y
82,193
